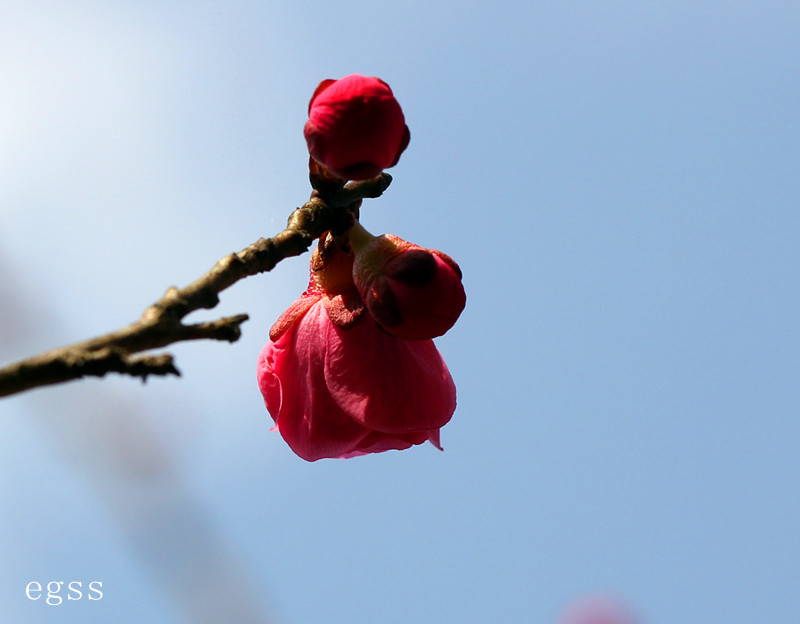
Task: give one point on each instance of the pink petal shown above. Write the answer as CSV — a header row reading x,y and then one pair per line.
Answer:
x,y
377,442
433,438
355,128
389,385
320,88
291,378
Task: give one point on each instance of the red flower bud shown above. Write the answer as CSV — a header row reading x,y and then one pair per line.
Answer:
x,y
338,386
412,293
355,127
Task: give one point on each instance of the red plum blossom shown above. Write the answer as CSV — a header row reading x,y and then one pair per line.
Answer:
x,y
336,385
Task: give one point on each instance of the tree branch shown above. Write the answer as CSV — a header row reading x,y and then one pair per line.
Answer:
x,y
331,208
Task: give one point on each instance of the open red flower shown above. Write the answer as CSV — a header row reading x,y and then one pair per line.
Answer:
x,y
338,386
355,127
412,293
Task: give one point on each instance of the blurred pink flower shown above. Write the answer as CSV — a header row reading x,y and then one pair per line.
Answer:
x,y
598,609
355,127
336,385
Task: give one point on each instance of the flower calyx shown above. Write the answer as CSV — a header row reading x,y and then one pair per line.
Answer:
x,y
331,282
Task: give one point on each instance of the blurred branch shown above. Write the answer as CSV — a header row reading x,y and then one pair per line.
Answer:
x,y
332,207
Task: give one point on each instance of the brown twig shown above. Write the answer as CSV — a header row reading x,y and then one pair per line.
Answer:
x,y
331,207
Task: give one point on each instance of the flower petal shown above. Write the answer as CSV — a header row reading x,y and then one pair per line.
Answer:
x,y
389,385
377,442
291,379
356,127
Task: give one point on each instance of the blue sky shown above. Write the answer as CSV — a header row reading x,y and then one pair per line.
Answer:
x,y
619,184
